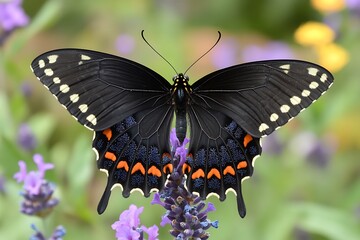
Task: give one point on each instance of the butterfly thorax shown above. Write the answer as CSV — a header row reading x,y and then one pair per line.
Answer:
x,y
180,90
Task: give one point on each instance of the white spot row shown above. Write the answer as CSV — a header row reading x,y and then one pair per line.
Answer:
x,y
323,77
312,71
284,108
48,72
64,88
41,63
286,68
52,59
305,93
263,127
295,100
56,80
313,85
91,118
74,98
83,108
84,58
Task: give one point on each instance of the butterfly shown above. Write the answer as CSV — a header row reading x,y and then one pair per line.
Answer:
x,y
130,108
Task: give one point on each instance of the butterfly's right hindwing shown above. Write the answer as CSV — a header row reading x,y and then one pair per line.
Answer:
x,y
135,153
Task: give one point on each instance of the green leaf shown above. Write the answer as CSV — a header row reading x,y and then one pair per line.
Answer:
x,y
43,125
81,164
329,222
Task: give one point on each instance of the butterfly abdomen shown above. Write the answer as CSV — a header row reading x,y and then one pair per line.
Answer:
x,y
180,110
180,96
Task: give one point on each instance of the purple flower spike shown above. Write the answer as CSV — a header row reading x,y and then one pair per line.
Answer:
x,y
225,54
12,15
174,141
152,232
127,228
33,182
21,175
272,50
2,184
41,165
185,212
157,200
180,150
37,192
58,233
125,44
25,137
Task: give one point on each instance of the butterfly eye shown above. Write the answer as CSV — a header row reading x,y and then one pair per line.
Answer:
x,y
175,78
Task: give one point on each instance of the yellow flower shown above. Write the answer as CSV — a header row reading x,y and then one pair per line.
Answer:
x,y
328,6
332,56
314,34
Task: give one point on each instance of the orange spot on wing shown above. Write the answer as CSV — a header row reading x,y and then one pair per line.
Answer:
x,y
186,168
108,133
242,164
168,168
247,139
214,172
110,155
166,155
138,167
198,174
229,170
154,171
123,164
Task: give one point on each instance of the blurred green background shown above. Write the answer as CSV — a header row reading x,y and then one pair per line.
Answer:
x,y
305,186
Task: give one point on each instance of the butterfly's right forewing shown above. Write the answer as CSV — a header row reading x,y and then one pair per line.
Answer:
x,y
99,89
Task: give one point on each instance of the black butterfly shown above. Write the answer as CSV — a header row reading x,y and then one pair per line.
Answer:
x,y
130,107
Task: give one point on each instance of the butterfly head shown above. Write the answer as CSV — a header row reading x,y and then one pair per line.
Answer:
x,y
181,79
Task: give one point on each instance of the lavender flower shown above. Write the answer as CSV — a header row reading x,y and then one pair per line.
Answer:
x,y
37,192
225,54
12,15
272,50
58,233
308,146
127,228
2,184
272,144
25,138
185,212
125,44
26,89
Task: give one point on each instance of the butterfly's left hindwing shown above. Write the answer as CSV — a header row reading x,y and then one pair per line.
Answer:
x,y
221,155
99,89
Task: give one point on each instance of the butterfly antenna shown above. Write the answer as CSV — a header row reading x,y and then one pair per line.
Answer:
x,y
143,37
217,41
